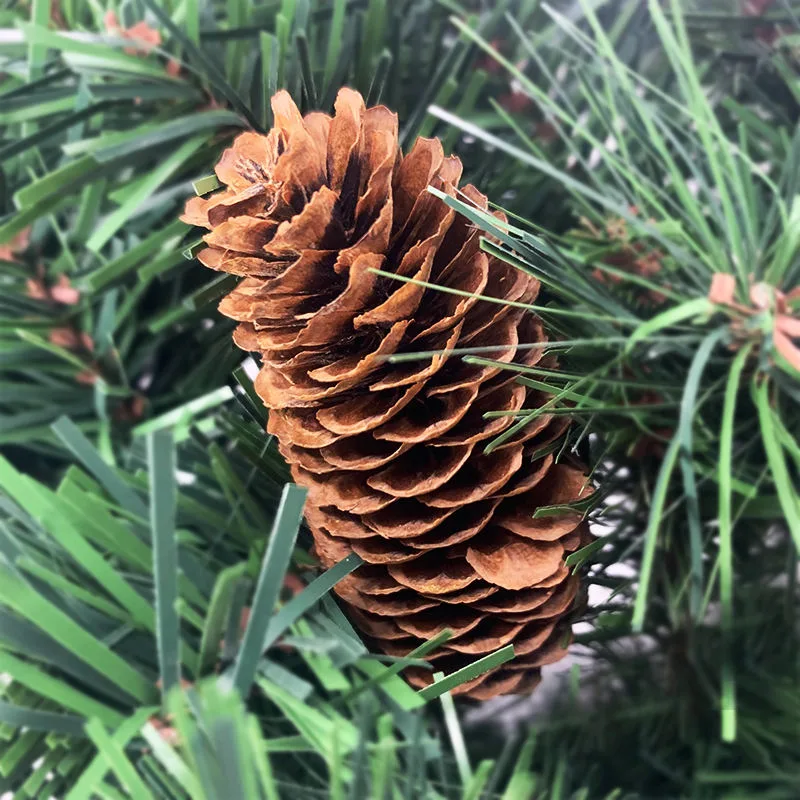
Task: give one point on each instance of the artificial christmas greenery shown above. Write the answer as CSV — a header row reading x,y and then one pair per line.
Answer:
x,y
166,628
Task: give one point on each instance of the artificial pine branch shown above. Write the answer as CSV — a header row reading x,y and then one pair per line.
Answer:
x,y
99,148
692,389
101,145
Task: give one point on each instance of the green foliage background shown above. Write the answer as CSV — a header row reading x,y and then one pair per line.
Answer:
x,y
143,508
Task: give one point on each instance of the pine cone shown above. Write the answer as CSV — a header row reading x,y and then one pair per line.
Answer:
x,y
393,453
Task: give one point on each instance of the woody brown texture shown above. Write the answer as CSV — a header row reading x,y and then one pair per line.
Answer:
x,y
393,454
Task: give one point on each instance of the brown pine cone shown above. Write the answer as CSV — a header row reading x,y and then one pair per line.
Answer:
x,y
393,453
